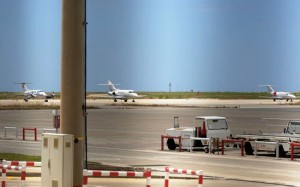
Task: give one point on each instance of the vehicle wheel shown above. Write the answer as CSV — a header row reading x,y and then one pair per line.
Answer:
x,y
282,153
206,150
248,148
171,144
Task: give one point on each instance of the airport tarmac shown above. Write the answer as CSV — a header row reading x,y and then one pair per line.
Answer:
x,y
127,135
192,102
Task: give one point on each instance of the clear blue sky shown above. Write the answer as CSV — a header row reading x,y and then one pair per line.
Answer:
x,y
200,45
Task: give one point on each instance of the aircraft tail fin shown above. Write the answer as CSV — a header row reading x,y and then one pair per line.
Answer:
x,y
269,88
23,86
111,86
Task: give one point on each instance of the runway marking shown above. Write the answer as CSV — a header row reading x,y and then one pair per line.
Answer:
x,y
109,159
226,164
189,155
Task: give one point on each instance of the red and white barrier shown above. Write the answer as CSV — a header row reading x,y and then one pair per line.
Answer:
x,y
99,173
13,168
183,171
22,163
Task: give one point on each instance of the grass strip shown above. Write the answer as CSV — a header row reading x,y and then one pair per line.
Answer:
x,y
19,157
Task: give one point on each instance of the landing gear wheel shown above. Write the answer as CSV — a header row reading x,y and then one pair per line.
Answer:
x,y
46,100
171,144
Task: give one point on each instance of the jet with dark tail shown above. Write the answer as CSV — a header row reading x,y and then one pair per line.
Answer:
x,y
31,94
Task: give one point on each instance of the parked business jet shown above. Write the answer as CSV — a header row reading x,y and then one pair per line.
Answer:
x,y
279,95
31,94
120,94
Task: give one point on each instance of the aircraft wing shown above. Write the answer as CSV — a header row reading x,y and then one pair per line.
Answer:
x,y
50,96
277,98
270,97
28,96
119,97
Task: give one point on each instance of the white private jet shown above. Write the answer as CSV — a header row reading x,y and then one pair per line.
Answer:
x,y
31,94
120,94
279,95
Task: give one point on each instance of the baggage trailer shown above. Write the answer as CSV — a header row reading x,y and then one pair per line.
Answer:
x,y
278,143
206,127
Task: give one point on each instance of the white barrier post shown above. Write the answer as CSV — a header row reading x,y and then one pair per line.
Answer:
x,y
3,182
23,176
277,150
262,142
50,130
199,173
99,173
167,175
147,174
5,128
85,178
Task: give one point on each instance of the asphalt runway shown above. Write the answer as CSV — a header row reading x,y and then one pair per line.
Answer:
x,y
128,135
